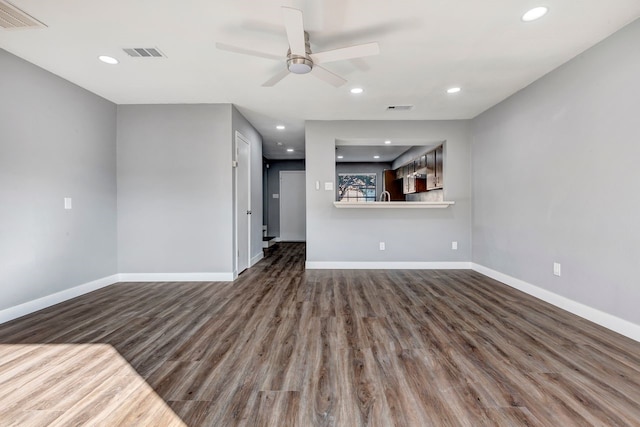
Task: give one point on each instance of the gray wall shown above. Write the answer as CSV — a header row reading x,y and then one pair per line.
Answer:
x,y
273,187
556,178
366,167
242,125
57,140
175,208
422,235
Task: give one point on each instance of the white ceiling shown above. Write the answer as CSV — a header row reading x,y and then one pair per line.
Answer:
x,y
426,46
366,153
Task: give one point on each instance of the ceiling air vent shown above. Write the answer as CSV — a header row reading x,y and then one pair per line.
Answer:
x,y
144,52
399,107
12,18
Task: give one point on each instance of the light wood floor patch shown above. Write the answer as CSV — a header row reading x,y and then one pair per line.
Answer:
x,y
282,346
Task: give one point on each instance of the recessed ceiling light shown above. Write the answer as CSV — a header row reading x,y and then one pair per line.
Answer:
x,y
535,13
387,142
278,143
376,157
357,90
108,59
280,127
453,90
290,150
341,157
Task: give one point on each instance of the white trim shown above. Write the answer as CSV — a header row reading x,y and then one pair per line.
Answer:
x,y
389,265
256,258
177,277
53,299
601,318
249,207
241,137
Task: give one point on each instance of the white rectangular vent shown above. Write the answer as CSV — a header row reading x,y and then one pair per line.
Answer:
x,y
144,52
12,18
399,107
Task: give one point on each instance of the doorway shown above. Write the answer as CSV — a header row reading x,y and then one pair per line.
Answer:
x,y
293,218
242,167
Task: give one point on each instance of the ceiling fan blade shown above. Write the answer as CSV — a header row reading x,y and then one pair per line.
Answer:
x,y
327,76
295,30
351,52
242,50
275,79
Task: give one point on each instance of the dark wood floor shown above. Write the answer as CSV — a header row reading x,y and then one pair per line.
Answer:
x,y
285,347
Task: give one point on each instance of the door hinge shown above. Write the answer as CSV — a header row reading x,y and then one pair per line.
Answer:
x,y
248,212
234,164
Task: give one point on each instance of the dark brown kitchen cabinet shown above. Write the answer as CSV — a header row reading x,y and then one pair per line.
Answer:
x,y
423,173
435,170
431,170
439,167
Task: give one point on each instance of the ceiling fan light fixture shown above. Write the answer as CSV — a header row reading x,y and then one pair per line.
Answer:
x,y
357,90
299,65
299,58
453,90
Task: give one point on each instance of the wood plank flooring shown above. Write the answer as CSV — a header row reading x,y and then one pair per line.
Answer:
x,y
282,346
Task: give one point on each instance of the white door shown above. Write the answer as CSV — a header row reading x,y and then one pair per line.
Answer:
x,y
293,218
243,202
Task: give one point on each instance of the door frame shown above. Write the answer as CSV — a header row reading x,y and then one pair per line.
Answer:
x,y
241,138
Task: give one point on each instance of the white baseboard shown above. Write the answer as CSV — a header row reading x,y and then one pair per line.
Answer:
x,y
390,265
176,277
38,304
256,258
601,318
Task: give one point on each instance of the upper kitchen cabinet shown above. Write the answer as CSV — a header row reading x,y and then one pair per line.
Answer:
x,y
439,167
434,169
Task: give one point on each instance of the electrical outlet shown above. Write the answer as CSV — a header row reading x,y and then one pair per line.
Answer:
x,y
557,269
454,246
68,203
382,246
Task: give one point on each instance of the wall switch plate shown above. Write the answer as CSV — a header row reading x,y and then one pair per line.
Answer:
x,y
557,269
454,246
328,186
317,185
67,203
382,246
275,196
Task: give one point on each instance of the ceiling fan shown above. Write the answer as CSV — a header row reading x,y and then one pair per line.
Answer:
x,y
300,59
